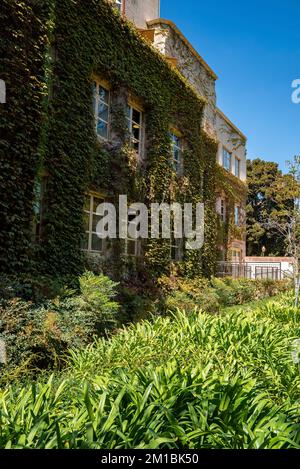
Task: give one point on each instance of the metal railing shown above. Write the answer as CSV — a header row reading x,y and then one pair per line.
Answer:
x,y
245,270
233,269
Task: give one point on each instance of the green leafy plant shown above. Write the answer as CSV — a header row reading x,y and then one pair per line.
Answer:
x,y
180,382
38,336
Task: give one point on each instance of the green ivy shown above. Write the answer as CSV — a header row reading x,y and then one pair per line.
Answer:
x,y
86,37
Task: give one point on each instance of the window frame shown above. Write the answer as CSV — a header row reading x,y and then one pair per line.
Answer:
x,y
131,240
92,196
97,84
133,106
176,244
223,210
237,161
237,215
236,259
177,165
119,5
226,153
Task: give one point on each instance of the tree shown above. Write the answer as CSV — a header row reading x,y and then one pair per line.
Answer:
x,y
289,228
271,197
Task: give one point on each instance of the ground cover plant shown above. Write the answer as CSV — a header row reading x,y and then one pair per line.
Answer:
x,y
184,381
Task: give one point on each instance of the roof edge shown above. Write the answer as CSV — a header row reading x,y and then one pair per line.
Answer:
x,y
229,122
186,41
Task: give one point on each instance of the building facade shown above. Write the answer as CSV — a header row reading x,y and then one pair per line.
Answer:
x,y
231,155
118,102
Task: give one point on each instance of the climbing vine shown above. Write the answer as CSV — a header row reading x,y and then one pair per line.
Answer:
x,y
87,38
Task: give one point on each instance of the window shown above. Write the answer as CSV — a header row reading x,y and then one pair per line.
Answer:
x,y
102,110
237,167
237,215
40,187
135,127
119,5
177,151
131,244
223,210
226,160
91,242
236,256
175,244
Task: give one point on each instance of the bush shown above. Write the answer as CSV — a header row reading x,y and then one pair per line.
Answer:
x,y
187,294
210,296
39,335
181,382
239,291
36,288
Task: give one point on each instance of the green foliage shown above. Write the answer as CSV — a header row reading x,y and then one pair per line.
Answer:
x,y
35,288
182,382
235,192
63,149
211,296
22,48
38,336
270,198
185,294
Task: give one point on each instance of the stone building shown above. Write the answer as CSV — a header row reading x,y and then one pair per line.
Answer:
x,y
175,47
118,102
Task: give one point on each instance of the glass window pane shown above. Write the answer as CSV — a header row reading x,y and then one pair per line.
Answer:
x,y
96,220
103,94
103,112
176,141
136,133
102,129
237,167
96,202
136,116
96,243
128,111
176,155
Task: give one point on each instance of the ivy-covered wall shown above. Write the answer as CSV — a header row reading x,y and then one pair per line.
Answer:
x,y
86,38
23,38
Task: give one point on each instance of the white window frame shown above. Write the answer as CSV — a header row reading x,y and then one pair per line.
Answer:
x,y
131,107
223,211
119,5
177,144
98,84
237,215
225,155
237,161
131,240
90,232
176,244
236,255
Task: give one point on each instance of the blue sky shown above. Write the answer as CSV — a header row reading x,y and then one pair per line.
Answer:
x,y
254,48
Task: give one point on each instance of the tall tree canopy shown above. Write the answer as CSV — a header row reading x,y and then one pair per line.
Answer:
x,y
271,197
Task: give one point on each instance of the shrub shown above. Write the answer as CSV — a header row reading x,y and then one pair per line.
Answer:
x,y
181,382
186,294
39,335
210,296
36,288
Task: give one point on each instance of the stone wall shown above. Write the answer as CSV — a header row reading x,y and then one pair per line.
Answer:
x,y
229,137
141,11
